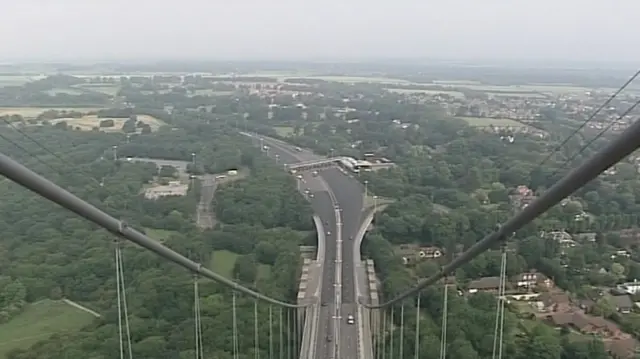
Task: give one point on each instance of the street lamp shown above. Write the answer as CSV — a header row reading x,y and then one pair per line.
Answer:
x,y
193,158
366,188
115,152
375,204
277,158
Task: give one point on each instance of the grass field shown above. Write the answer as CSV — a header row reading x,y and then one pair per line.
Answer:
x,y
17,80
284,130
39,321
106,89
160,235
483,122
31,112
222,262
65,91
455,94
87,123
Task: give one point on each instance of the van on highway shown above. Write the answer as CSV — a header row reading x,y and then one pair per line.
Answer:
x,y
298,149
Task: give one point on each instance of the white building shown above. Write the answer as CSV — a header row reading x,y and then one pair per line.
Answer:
x,y
174,188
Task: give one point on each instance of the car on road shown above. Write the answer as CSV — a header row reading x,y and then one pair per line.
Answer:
x,y
328,233
350,319
324,304
329,338
314,173
350,237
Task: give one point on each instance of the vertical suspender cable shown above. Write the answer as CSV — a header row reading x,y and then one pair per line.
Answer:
x,y
499,326
117,261
256,338
195,316
445,309
270,333
281,341
392,331
235,326
124,305
289,334
401,331
416,352
384,334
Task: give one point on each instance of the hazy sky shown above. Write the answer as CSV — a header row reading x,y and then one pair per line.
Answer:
x,y
599,30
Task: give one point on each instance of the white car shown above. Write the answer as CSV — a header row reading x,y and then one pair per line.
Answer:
x,y
350,319
328,233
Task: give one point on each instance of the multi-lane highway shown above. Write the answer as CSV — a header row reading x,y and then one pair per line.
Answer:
x,y
349,194
340,342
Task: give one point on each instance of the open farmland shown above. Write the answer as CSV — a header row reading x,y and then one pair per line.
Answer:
x,y
87,123
32,112
455,94
485,121
39,321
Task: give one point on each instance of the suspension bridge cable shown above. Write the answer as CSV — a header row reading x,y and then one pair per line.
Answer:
x,y
445,316
62,159
29,153
401,331
392,332
124,303
289,334
384,334
600,134
235,326
625,144
196,310
499,325
119,297
256,338
281,341
590,118
36,183
270,332
416,352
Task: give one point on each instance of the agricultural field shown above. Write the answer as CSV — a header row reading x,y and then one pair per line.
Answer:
x,y
17,80
65,91
552,89
87,123
106,89
484,122
32,112
211,93
455,94
39,321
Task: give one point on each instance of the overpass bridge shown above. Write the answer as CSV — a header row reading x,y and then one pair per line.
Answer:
x,y
313,164
387,340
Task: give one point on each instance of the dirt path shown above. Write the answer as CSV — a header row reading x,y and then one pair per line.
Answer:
x,y
205,217
83,308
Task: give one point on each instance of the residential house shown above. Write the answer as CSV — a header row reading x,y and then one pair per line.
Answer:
x,y
585,237
522,196
531,280
430,252
412,253
563,238
622,348
623,303
630,287
585,324
554,302
485,284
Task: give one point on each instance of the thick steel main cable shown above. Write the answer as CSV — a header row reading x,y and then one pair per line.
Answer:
x,y
621,147
47,189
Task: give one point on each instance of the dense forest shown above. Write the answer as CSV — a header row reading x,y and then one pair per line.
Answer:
x,y
47,252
